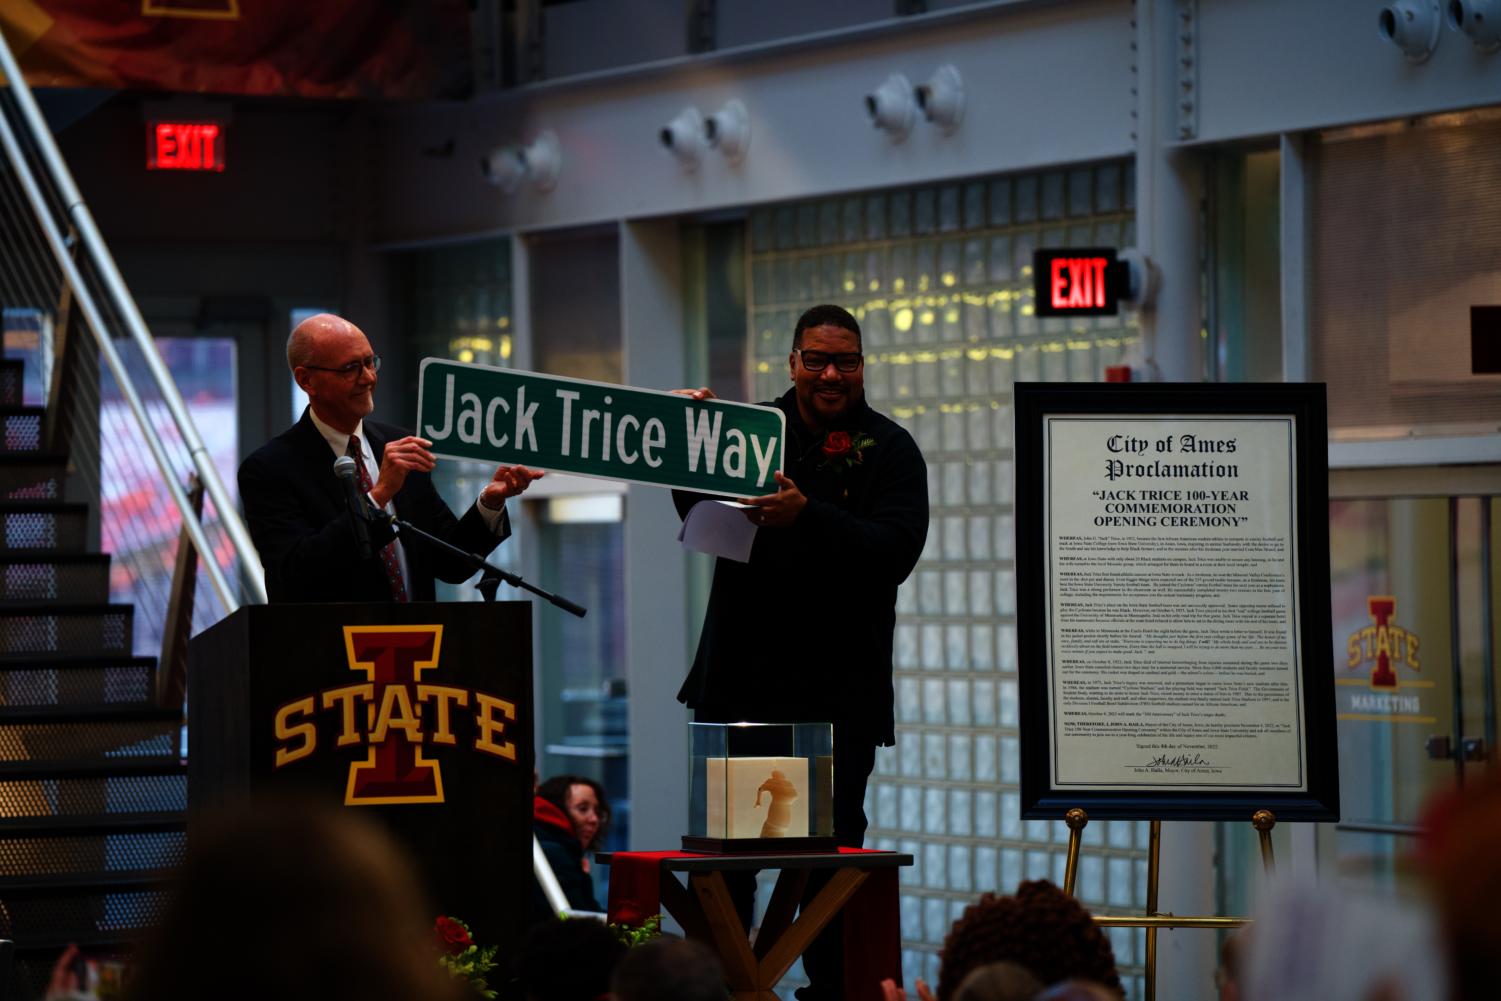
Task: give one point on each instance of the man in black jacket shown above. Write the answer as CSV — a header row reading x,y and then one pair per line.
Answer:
x,y
295,508
803,631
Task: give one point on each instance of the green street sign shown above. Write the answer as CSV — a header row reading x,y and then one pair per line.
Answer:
x,y
501,415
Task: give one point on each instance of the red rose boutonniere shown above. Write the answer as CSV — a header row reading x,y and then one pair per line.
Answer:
x,y
843,450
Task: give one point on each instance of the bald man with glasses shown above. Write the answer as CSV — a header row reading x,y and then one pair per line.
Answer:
x,y
295,507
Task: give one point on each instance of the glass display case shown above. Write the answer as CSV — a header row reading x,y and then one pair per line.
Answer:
x,y
761,787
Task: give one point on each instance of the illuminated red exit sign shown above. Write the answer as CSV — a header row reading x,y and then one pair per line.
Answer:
x,y
184,146
1081,281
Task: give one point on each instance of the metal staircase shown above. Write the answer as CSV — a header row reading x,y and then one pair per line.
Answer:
x,y
93,789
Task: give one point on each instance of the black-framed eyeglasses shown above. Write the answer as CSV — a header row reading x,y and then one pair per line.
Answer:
x,y
817,361
372,362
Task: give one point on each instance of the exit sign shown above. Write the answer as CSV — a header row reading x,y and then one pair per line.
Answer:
x,y
1082,281
184,146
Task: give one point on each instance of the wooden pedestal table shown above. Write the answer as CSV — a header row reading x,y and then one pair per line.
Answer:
x,y
640,886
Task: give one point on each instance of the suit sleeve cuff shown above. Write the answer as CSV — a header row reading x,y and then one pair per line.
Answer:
x,y
495,520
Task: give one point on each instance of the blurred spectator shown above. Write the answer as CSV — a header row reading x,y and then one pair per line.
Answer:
x,y
568,959
293,902
1319,942
1078,990
570,816
1040,927
669,969
1227,976
66,984
1459,854
1004,981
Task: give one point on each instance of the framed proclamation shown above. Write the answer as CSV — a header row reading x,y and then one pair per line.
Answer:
x,y
1173,620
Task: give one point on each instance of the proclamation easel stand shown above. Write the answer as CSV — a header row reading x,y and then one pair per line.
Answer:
x,y
1076,819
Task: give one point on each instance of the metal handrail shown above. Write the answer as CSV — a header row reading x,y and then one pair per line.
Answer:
x,y
112,357
135,326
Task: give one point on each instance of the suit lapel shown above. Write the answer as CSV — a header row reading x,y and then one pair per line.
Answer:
x,y
318,459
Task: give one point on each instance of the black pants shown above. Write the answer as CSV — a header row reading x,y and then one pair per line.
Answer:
x,y
854,760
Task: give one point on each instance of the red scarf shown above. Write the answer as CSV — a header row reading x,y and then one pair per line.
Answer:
x,y
546,812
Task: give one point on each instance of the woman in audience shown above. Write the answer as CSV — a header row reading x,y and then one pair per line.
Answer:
x,y
570,817
1040,928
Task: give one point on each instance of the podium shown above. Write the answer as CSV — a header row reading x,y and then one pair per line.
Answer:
x,y
417,714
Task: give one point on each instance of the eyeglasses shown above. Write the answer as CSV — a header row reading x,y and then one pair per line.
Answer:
x,y
372,362
817,361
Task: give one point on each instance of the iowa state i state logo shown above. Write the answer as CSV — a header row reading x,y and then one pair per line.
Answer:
x,y
394,713
1383,644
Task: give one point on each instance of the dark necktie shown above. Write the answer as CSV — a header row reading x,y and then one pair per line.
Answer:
x,y
388,554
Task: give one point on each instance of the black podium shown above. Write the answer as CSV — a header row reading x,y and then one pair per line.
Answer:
x,y
418,714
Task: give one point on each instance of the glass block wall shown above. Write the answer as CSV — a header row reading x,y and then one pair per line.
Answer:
x,y
940,279
461,310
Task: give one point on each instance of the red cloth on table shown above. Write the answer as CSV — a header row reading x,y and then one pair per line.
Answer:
x,y
872,923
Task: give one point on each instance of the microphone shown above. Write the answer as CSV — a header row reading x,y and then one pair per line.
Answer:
x,y
344,469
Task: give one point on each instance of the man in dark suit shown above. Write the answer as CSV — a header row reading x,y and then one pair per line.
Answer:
x,y
803,630
295,507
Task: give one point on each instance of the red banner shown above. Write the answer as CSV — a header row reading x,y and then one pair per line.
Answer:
x,y
302,48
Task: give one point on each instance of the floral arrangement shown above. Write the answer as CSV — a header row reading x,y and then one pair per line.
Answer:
x,y
634,935
843,450
458,954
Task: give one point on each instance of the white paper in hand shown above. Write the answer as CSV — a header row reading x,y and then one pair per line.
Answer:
x,y
719,528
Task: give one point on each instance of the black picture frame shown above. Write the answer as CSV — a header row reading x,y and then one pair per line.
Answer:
x,y
1318,800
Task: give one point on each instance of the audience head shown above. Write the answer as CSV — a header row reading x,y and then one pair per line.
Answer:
x,y
1459,853
1004,981
568,960
1325,942
1227,977
583,801
1040,927
1078,990
669,969
291,901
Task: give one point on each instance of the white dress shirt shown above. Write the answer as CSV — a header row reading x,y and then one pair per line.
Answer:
x,y
339,442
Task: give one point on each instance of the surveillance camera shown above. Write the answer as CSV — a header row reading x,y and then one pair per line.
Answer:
x,y
942,98
504,167
538,161
1142,278
684,137
1480,19
892,107
1412,26
728,130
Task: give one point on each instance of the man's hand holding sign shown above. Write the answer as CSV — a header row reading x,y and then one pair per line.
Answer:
x,y
773,510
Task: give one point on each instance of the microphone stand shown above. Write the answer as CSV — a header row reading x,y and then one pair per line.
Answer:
x,y
491,575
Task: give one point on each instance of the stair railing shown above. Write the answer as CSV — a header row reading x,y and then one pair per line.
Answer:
x,y
60,201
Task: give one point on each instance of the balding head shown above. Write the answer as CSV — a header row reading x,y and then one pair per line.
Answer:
x,y
302,344
331,360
